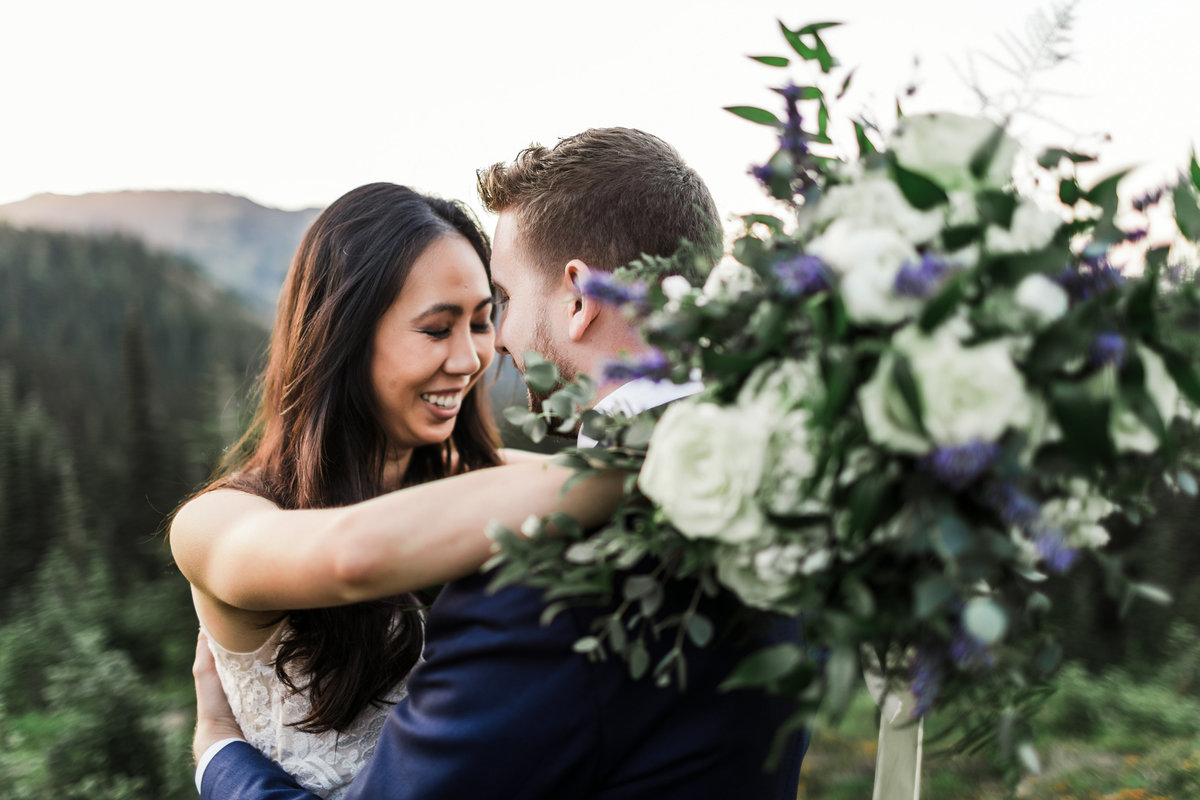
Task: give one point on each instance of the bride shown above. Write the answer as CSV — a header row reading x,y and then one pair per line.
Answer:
x,y
332,510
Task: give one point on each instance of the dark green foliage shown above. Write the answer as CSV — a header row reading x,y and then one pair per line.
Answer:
x,y
122,377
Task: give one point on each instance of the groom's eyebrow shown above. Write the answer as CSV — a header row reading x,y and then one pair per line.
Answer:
x,y
453,308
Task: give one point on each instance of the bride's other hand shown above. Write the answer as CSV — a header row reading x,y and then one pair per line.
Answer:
x,y
214,717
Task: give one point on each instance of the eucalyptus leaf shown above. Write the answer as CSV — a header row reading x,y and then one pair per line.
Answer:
x,y
766,665
771,61
931,594
700,630
985,619
639,659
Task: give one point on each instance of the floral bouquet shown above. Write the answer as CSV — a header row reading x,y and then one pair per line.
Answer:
x,y
925,391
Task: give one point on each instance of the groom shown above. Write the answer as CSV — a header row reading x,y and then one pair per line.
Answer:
x,y
502,707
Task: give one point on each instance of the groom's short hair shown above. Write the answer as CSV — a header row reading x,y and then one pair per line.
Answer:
x,y
605,196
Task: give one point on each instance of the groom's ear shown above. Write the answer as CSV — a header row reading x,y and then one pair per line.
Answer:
x,y
582,310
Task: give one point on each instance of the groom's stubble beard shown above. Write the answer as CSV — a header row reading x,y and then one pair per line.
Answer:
x,y
544,345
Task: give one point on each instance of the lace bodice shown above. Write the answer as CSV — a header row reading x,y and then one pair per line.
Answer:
x,y
323,763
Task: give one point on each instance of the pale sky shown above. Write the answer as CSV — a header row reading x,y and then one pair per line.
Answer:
x,y
293,103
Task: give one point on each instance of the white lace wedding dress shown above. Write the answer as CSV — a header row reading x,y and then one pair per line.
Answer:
x,y
323,763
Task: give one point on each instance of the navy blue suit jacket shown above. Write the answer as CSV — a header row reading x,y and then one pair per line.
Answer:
x,y
502,708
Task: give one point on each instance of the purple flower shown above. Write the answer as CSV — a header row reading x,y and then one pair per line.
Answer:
x,y
604,287
763,173
1014,506
1051,544
801,275
1136,235
1108,348
1149,199
794,141
791,92
928,671
961,465
1091,277
967,652
919,280
651,364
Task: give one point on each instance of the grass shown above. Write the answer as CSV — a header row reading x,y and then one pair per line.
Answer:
x,y
1101,737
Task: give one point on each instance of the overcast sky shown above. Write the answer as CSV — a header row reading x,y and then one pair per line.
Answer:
x,y
293,103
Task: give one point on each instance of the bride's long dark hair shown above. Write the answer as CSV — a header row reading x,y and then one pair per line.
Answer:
x,y
316,440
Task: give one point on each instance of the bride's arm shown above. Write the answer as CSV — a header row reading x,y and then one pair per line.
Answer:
x,y
245,552
510,455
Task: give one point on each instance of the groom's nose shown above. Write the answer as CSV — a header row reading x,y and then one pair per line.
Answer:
x,y
500,344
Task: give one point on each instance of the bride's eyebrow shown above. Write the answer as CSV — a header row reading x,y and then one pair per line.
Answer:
x,y
453,308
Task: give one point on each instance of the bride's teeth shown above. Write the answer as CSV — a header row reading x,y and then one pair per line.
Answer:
x,y
441,401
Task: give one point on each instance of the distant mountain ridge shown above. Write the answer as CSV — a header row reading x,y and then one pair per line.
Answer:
x,y
241,245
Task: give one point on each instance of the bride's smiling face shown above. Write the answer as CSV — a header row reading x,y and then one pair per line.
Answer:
x,y
432,344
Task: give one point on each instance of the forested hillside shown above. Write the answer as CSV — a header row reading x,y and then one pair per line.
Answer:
x,y
240,245
122,372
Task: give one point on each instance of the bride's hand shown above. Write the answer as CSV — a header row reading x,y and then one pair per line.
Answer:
x,y
214,717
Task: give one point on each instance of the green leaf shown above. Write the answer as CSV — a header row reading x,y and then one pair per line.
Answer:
x,y
906,382
953,537
759,115
772,222
1182,370
843,673
985,154
1152,593
766,665
859,599
771,61
1186,482
824,57
639,660
985,619
1052,156
931,594
865,146
540,375
1084,420
700,630
1187,213
1104,193
846,84
793,39
920,192
535,429
616,633
518,415
1070,192
816,26
586,644
822,125
1194,169
942,307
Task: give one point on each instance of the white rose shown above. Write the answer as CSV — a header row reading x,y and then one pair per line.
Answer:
x,y
791,464
1030,229
676,287
966,393
728,279
1127,429
776,387
1042,298
763,576
878,203
1078,515
867,261
941,146
703,468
